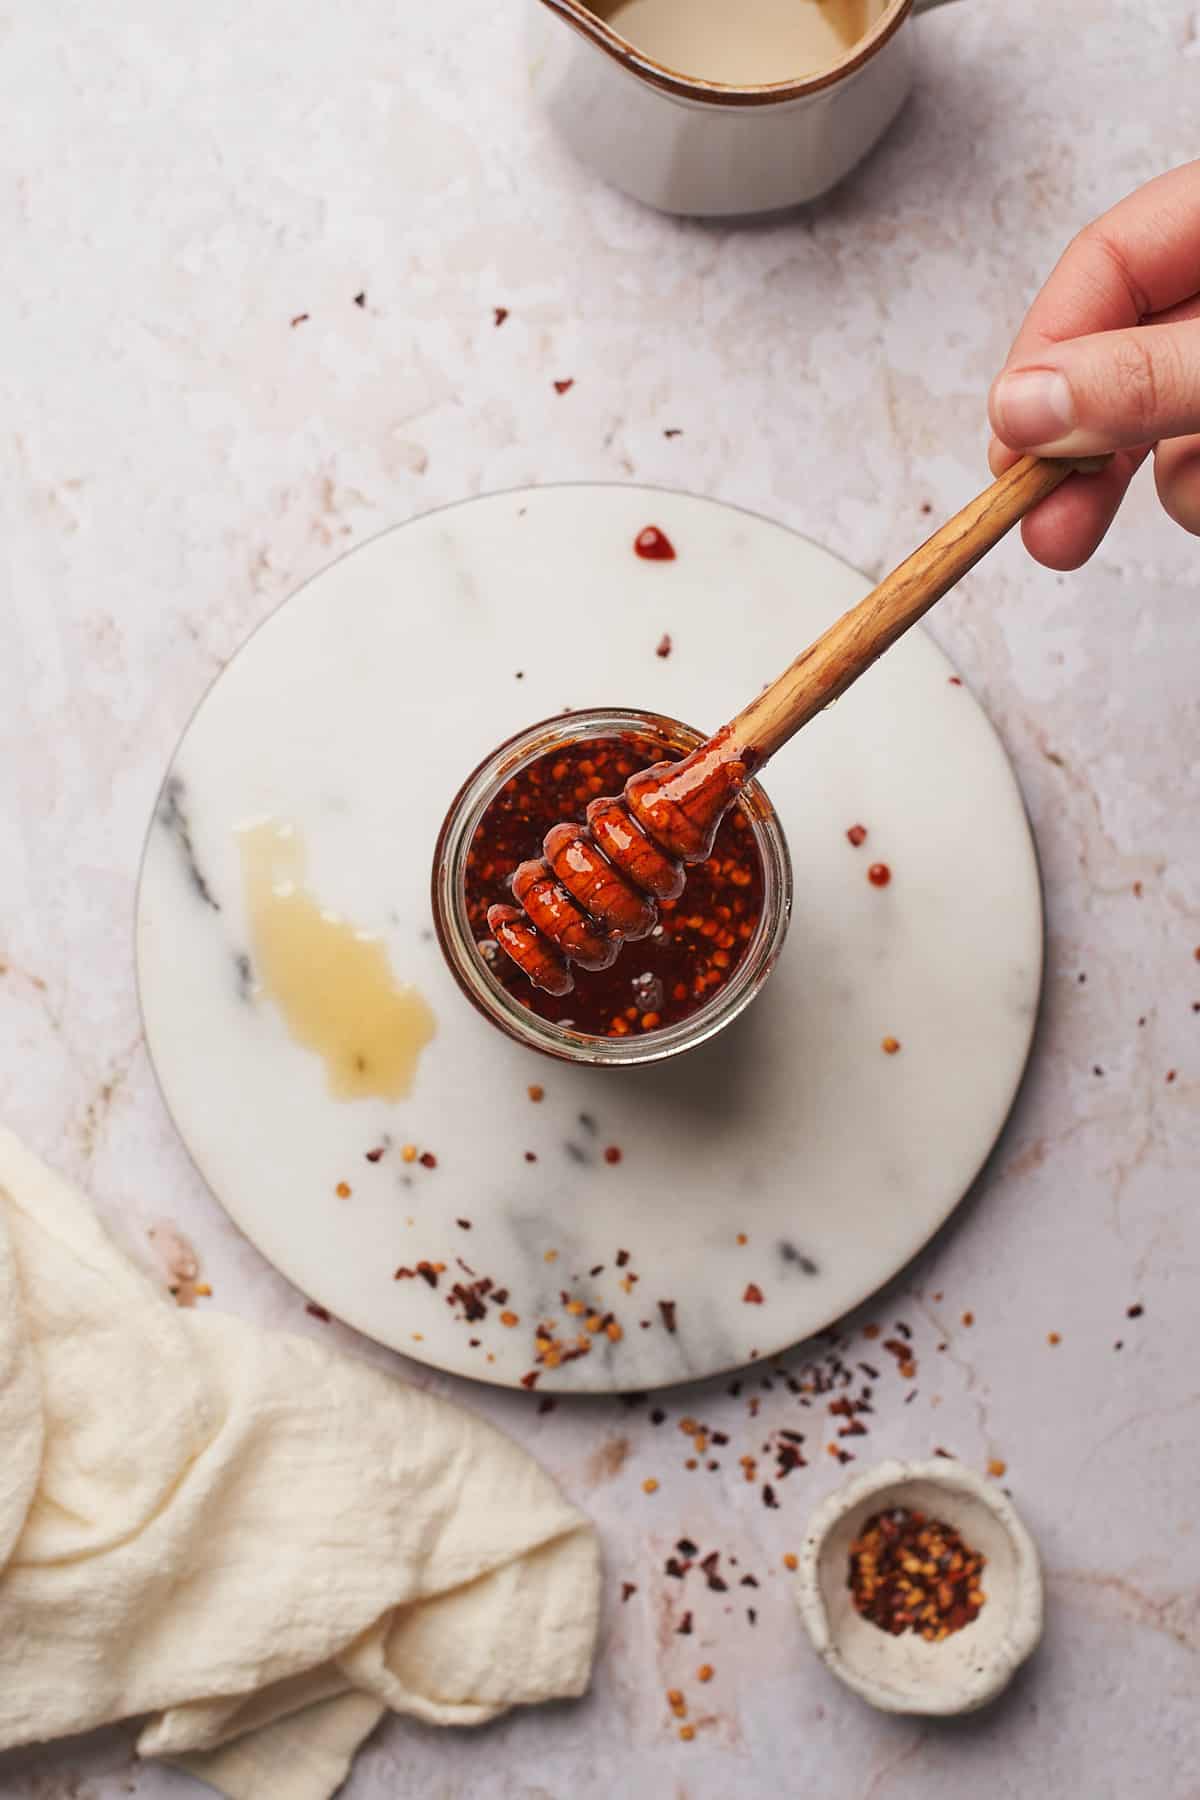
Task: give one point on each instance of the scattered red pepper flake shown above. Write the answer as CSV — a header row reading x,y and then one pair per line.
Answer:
x,y
622,1257
509,1319
1135,1311
663,646
870,1331
753,1295
667,1309
628,1588
879,874
687,1733
300,319
890,1046
673,431
427,1159
1053,1337
791,1560
374,1155
705,1672
684,1627
530,1378
342,1190
463,1224
612,1154
956,681
650,1485
1170,1076
968,1318
318,1312
499,314
564,387
997,1467
531,1156
857,835
360,299
537,1093
653,545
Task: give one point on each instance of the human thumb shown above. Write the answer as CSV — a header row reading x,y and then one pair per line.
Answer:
x,y
1110,391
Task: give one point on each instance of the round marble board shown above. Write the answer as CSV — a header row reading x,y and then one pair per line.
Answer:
x,y
767,1182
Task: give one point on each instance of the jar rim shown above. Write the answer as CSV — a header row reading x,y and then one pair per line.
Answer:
x,y
493,1000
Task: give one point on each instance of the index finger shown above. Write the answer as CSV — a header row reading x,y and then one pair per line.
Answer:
x,y
1141,257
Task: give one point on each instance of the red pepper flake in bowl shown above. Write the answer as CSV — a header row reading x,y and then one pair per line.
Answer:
x,y
663,646
908,1572
564,387
857,835
373,1156
536,1093
653,545
879,874
667,1309
428,1160
318,1312
499,314
753,1295
612,1154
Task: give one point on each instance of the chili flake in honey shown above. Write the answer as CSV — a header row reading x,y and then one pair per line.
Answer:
x,y
700,938
909,1572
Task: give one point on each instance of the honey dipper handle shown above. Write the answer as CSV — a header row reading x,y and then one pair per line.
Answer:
x,y
849,647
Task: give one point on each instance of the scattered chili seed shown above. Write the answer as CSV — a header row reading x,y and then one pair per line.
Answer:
x,y
968,1318
510,1319
654,545
857,835
997,1467
908,1572
879,874
409,1153
649,1486
890,1045
687,1733
676,1702
791,1560
1053,1337
704,1672
537,1093
742,1238
203,1289
342,1190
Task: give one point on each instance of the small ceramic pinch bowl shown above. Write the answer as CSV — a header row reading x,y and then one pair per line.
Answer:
x,y
906,1674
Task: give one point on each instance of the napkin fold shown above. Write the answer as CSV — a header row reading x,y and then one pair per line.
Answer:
x,y
256,1541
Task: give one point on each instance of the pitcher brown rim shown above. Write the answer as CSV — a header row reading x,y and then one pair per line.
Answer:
x,y
723,93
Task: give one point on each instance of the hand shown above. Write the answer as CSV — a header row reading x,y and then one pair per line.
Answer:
x,y
1109,359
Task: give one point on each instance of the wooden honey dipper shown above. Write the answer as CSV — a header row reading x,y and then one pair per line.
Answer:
x,y
597,886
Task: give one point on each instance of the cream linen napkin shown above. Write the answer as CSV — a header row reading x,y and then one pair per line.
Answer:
x,y
257,1542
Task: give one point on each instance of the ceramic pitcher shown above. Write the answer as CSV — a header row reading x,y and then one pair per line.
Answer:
x,y
688,144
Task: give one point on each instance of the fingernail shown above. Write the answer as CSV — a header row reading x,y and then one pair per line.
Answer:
x,y
1033,407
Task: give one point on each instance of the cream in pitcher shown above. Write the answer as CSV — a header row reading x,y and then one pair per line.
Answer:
x,y
747,43
722,107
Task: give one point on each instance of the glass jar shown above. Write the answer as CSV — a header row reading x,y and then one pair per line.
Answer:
x,y
470,968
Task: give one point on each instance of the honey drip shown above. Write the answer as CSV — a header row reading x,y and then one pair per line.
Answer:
x,y
332,983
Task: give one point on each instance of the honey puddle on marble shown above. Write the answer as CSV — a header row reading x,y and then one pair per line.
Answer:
x,y
332,983
741,42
